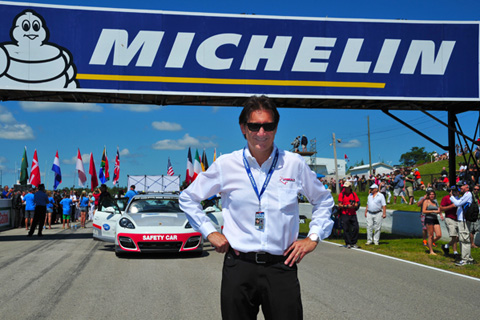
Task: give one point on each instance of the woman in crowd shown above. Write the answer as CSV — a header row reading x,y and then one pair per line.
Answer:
x,y
83,204
431,209
48,217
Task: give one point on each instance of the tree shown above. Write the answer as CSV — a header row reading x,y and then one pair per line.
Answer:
x,y
411,158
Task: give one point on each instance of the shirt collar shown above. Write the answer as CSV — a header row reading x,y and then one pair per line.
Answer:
x,y
251,159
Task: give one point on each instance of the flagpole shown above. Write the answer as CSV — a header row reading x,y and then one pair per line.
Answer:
x,y
45,176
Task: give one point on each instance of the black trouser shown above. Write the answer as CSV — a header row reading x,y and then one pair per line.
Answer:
x,y
350,229
246,285
38,219
17,222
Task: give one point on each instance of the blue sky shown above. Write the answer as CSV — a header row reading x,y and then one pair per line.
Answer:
x,y
148,135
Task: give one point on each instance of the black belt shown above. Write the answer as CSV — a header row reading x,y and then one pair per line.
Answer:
x,y
375,212
259,257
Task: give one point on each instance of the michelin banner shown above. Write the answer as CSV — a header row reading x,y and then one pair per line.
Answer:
x,y
63,48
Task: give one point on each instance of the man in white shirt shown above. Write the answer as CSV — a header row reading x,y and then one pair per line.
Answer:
x,y
375,205
463,225
259,186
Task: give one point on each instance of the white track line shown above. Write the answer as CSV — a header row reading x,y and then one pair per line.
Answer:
x,y
410,262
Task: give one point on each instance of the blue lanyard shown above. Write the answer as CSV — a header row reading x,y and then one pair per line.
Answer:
x,y
267,179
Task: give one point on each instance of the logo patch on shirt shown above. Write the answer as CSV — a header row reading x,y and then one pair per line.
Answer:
x,y
285,180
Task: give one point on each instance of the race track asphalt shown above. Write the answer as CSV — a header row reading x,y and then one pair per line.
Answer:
x,y
67,275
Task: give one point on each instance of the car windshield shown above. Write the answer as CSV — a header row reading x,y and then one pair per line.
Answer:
x,y
153,205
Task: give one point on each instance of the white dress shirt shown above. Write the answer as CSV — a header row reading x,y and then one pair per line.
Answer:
x,y
375,204
227,176
459,203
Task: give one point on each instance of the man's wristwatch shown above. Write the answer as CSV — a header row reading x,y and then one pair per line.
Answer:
x,y
314,237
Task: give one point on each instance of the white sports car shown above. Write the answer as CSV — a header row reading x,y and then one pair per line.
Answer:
x,y
150,223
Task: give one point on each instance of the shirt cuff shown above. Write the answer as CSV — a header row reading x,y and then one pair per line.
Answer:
x,y
206,229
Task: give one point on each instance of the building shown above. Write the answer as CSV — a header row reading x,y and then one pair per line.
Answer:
x,y
326,166
378,168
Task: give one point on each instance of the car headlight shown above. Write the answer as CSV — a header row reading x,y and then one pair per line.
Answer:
x,y
188,225
126,223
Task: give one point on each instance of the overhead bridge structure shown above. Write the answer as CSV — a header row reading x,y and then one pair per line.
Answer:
x,y
104,55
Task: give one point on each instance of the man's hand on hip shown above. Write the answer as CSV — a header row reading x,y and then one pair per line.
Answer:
x,y
219,242
298,250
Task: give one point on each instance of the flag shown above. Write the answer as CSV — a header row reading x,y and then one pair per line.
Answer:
x,y
103,173
197,167
170,168
204,161
346,158
116,170
24,170
35,171
215,155
82,177
93,173
58,172
189,175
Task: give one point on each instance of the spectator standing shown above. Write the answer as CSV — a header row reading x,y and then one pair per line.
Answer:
x,y
422,218
91,206
375,205
256,271
66,205
296,143
418,178
41,199
130,193
409,181
398,185
363,183
444,172
83,204
304,143
347,203
29,208
451,223
50,205
431,209
7,193
463,226
17,207
73,208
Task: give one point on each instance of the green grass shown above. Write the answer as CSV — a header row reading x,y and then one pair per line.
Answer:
x,y
411,249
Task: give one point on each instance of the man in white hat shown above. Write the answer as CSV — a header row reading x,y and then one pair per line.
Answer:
x,y
375,205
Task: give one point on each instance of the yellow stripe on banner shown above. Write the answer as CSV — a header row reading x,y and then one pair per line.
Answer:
x,y
254,82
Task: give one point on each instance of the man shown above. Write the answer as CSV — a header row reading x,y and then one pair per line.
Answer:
x,y
259,186
7,193
375,205
398,185
444,172
463,226
409,181
130,193
29,207
347,203
41,199
17,207
304,143
451,223
475,225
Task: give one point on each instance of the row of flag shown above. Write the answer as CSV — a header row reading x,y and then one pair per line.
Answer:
x,y
199,164
103,175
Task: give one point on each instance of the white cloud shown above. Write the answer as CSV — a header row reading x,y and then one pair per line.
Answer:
x,y
183,143
18,131
136,107
6,116
73,160
59,106
166,126
2,161
124,152
10,129
354,143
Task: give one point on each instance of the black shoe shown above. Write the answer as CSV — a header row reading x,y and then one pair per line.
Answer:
x,y
445,250
29,235
40,235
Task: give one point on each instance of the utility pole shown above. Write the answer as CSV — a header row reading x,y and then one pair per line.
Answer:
x,y
369,148
336,167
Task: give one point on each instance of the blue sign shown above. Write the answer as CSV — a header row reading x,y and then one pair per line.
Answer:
x,y
44,47
106,227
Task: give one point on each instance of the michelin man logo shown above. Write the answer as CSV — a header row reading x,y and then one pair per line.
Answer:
x,y
30,61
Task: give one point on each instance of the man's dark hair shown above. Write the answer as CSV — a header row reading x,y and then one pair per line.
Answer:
x,y
255,103
132,187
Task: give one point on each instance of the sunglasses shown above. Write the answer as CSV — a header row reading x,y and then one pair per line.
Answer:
x,y
255,127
